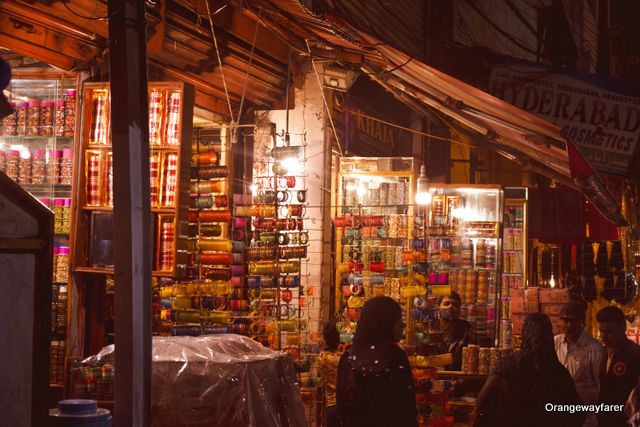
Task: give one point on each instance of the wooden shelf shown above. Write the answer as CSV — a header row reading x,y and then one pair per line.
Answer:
x,y
151,147
460,374
110,209
97,270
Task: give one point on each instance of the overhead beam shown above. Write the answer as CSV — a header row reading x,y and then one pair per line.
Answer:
x,y
47,20
45,38
37,52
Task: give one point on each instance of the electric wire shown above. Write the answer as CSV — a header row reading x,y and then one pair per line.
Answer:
x,y
522,45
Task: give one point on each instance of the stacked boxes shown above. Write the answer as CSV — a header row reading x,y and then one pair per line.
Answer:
x,y
533,300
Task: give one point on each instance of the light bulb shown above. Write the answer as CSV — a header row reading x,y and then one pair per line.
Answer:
x,y
423,196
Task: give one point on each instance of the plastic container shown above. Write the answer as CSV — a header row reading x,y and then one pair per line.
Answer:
x,y
33,118
79,413
58,215
21,117
9,123
58,118
12,164
38,166
46,118
69,112
66,166
24,170
52,168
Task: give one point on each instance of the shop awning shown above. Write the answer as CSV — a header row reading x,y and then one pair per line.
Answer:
x,y
517,134
73,35
520,136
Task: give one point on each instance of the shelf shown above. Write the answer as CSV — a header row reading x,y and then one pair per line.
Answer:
x,y
25,138
49,187
464,236
98,208
151,147
56,385
110,209
460,374
97,270
512,274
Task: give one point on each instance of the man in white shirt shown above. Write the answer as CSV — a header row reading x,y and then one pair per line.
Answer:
x,y
582,355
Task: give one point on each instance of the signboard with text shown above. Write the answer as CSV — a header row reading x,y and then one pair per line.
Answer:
x,y
359,118
603,122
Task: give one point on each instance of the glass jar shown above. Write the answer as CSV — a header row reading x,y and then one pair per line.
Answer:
x,y
46,119
38,166
58,118
24,168
69,112
66,166
3,160
52,169
21,118
33,118
9,123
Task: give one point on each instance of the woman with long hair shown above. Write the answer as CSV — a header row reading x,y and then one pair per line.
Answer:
x,y
528,387
374,386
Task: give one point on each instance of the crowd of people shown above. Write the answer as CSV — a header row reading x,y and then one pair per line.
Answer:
x,y
568,380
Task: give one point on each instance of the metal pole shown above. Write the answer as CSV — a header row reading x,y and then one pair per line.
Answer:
x,y
132,216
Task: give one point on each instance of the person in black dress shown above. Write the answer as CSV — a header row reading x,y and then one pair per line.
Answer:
x,y
523,388
374,386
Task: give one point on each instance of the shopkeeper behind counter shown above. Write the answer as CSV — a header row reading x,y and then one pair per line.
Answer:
x,y
456,333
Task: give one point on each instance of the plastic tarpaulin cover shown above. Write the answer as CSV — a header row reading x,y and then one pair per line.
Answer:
x,y
219,380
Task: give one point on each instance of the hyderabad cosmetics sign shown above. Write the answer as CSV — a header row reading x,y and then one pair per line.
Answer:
x,y
593,111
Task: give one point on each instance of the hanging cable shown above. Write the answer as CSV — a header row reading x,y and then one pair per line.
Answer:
x,y
215,42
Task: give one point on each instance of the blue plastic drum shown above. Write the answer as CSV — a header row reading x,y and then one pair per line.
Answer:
x,y
79,413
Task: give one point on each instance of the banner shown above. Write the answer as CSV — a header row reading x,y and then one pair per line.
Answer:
x,y
592,111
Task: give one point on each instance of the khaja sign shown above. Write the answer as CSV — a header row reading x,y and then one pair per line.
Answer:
x,y
604,123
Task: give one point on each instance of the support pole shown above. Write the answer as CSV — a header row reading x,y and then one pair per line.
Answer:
x,y
132,216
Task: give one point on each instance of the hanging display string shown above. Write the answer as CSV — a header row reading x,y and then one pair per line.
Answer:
x,y
324,99
215,42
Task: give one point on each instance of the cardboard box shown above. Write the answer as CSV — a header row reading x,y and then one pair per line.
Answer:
x,y
516,321
516,305
531,301
551,309
553,296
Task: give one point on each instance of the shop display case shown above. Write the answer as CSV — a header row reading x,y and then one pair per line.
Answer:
x,y
36,151
373,225
170,123
170,113
514,251
463,241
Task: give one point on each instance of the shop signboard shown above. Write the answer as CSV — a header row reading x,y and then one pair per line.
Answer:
x,y
363,119
600,115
